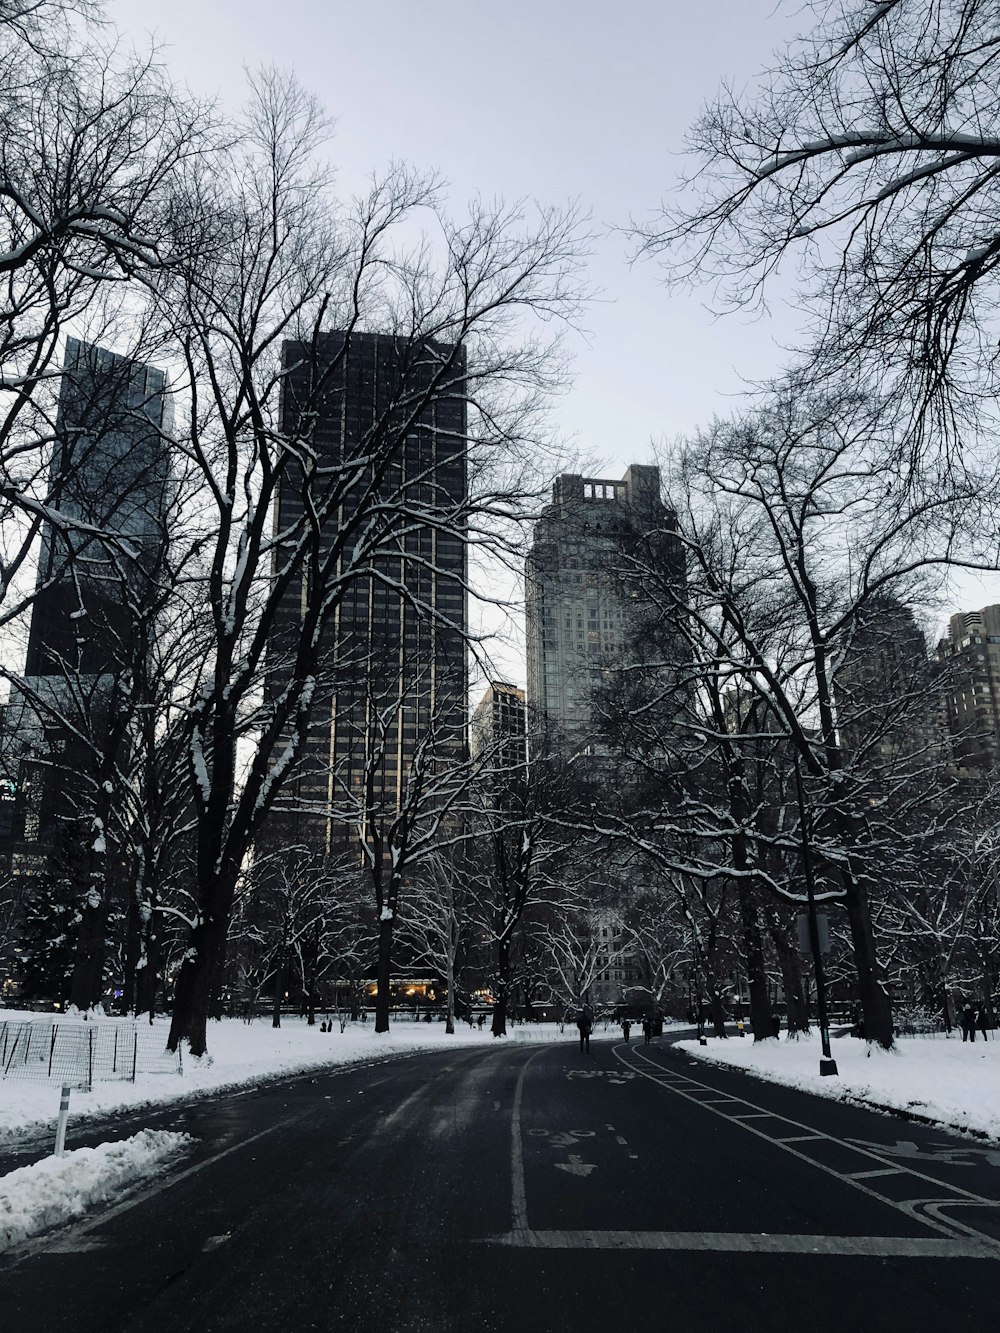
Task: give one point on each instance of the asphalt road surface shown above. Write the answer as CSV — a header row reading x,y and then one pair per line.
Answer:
x,y
533,1189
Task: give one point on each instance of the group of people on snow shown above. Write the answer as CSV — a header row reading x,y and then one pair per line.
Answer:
x,y
970,1019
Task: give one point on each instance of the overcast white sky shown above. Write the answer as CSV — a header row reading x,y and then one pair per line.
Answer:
x,y
549,99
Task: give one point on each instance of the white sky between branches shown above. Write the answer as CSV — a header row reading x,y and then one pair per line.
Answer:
x,y
545,99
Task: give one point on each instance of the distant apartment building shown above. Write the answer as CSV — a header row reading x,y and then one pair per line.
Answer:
x,y
888,690
584,601
971,654
392,663
499,727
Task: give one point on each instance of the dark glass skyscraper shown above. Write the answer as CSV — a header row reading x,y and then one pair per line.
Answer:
x,y
109,477
109,471
392,663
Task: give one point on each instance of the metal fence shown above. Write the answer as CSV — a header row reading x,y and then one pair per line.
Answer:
x,y
81,1054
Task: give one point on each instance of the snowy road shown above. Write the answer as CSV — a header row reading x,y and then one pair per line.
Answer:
x,y
533,1190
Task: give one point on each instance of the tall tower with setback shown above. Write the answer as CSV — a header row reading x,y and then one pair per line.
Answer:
x,y
584,600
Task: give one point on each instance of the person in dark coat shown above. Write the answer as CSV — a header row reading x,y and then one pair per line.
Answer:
x,y
626,1029
647,1030
968,1020
983,1021
585,1025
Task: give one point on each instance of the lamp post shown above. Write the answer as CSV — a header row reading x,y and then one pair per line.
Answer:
x,y
827,1064
699,1011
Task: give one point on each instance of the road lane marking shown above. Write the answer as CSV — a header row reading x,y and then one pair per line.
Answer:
x,y
576,1166
958,1154
923,1210
716,1242
871,1175
518,1199
562,1139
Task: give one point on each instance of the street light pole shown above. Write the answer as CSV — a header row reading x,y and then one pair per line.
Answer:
x,y
827,1064
699,1011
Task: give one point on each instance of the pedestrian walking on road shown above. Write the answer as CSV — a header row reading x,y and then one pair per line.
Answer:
x,y
626,1029
647,1030
585,1024
983,1021
968,1023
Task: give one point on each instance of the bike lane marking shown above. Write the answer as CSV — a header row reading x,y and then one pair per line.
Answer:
x,y
927,1211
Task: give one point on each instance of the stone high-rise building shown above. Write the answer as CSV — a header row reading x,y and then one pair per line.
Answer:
x,y
499,727
584,602
393,658
971,655
888,690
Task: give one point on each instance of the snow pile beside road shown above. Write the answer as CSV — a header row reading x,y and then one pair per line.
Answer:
x,y
955,1083
58,1189
240,1054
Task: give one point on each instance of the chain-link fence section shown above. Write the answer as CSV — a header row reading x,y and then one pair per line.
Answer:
x,y
81,1054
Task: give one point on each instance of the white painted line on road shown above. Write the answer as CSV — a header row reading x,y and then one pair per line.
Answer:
x,y
751,1242
518,1199
923,1210
870,1175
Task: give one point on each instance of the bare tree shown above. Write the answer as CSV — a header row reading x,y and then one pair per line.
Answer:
x,y
438,919
798,535
397,826
90,143
264,256
868,156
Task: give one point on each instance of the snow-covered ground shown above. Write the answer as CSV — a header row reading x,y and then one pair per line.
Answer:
x,y
238,1054
58,1189
939,1078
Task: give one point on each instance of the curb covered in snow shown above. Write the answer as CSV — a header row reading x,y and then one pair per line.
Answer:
x,y
927,1080
58,1189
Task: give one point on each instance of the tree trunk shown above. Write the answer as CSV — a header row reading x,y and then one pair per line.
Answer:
x,y
753,948
499,1024
86,986
195,985
279,984
148,976
383,973
796,1006
449,1009
875,1006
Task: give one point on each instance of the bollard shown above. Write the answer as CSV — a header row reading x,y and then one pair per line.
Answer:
x,y
61,1123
